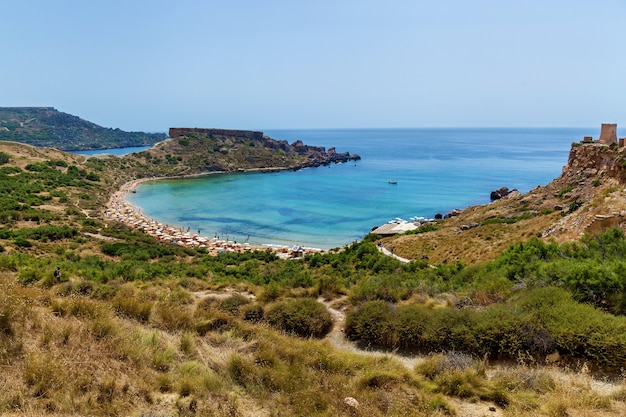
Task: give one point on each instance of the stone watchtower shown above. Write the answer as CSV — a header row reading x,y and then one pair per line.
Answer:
x,y
608,134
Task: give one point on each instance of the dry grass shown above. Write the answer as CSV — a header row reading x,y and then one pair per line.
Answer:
x,y
479,244
78,356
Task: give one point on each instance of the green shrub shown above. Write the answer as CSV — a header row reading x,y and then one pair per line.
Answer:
x,y
49,232
23,243
504,332
508,220
104,292
92,177
574,205
27,276
372,323
579,330
391,288
566,190
303,317
450,329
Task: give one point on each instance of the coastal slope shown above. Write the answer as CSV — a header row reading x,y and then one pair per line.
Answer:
x,y
48,127
587,197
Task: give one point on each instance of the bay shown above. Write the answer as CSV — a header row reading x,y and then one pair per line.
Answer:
x,y
436,170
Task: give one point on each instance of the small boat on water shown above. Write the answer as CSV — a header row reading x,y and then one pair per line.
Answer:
x,y
392,182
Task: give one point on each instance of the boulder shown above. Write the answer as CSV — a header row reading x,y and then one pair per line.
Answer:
x,y
453,213
498,194
351,402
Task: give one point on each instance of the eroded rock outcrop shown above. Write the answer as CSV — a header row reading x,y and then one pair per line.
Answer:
x,y
499,193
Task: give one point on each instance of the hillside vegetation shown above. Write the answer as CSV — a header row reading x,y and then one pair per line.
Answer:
x,y
202,153
48,127
136,327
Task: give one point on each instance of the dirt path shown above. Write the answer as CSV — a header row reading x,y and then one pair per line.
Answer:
x,y
337,339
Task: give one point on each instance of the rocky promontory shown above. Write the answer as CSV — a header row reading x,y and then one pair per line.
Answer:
x,y
197,151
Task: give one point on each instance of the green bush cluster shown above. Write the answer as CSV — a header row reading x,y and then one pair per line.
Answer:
x,y
566,190
22,192
430,227
508,220
539,322
593,270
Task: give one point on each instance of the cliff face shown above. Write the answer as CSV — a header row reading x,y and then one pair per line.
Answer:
x,y
595,161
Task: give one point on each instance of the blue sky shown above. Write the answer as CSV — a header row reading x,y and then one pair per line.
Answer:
x,y
151,64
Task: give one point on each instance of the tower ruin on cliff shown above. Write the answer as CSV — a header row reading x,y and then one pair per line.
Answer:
x,y
608,136
608,133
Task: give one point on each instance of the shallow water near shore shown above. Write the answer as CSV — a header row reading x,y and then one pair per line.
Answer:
x,y
436,170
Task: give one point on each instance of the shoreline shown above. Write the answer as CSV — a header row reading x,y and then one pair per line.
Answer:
x,y
119,209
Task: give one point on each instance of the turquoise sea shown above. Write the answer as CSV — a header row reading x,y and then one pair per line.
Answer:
x,y
436,170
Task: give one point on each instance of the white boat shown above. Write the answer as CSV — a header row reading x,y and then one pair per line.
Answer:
x,y
392,182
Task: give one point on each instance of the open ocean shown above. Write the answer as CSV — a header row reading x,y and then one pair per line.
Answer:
x,y
436,170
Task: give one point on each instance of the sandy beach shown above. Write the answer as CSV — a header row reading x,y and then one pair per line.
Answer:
x,y
120,210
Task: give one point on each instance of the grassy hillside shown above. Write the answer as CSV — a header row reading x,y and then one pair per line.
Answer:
x,y
135,327
45,126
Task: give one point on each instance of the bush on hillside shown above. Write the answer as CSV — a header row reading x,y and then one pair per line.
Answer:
x,y
541,321
303,317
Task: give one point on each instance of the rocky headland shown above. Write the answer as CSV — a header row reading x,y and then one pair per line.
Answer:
x,y
589,196
196,151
